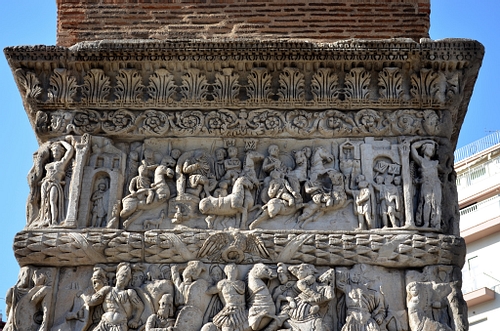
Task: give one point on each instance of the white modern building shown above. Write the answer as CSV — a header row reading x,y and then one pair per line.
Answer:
x,y
478,182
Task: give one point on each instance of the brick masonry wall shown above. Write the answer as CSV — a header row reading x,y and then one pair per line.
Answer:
x,y
86,20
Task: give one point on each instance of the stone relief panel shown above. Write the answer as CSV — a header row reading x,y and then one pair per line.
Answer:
x,y
210,296
339,184
242,186
243,122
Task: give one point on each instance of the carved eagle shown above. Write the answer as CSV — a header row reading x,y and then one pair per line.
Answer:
x,y
231,247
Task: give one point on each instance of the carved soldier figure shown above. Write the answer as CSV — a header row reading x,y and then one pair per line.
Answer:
x,y
365,306
422,298
233,316
280,188
122,307
198,174
194,296
100,209
162,320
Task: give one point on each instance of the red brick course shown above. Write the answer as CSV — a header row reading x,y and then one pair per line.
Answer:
x,y
87,20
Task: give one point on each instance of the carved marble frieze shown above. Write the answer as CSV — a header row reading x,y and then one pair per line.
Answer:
x,y
157,77
302,296
245,123
242,186
65,248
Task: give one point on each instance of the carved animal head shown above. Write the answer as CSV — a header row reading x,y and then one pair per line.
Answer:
x,y
262,271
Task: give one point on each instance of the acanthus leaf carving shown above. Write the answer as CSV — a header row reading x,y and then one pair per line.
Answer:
x,y
426,85
292,85
129,86
161,88
194,86
325,85
357,83
63,86
96,87
390,82
153,122
29,82
117,122
259,85
226,86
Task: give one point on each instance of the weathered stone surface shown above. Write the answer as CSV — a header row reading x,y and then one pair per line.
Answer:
x,y
317,177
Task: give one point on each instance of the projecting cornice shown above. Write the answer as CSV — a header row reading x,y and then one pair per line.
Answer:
x,y
111,87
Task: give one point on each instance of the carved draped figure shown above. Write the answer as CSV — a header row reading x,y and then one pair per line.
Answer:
x,y
51,188
364,306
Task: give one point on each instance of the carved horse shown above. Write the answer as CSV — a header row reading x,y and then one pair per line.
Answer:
x,y
273,208
230,205
319,158
262,309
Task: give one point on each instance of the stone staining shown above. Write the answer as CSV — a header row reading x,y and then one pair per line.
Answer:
x,y
211,186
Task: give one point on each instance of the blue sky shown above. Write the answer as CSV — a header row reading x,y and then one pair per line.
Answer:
x,y
31,22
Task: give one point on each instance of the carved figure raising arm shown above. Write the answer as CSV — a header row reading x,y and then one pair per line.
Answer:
x,y
429,201
52,208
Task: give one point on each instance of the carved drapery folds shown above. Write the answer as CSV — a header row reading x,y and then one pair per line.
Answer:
x,y
242,185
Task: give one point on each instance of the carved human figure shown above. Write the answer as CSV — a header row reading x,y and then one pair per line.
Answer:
x,y
422,299
429,201
233,317
35,176
389,201
83,316
194,296
271,162
154,287
365,306
52,206
15,294
163,171
100,205
304,312
232,165
197,170
280,188
219,168
122,307
162,320
140,185
363,203
32,309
